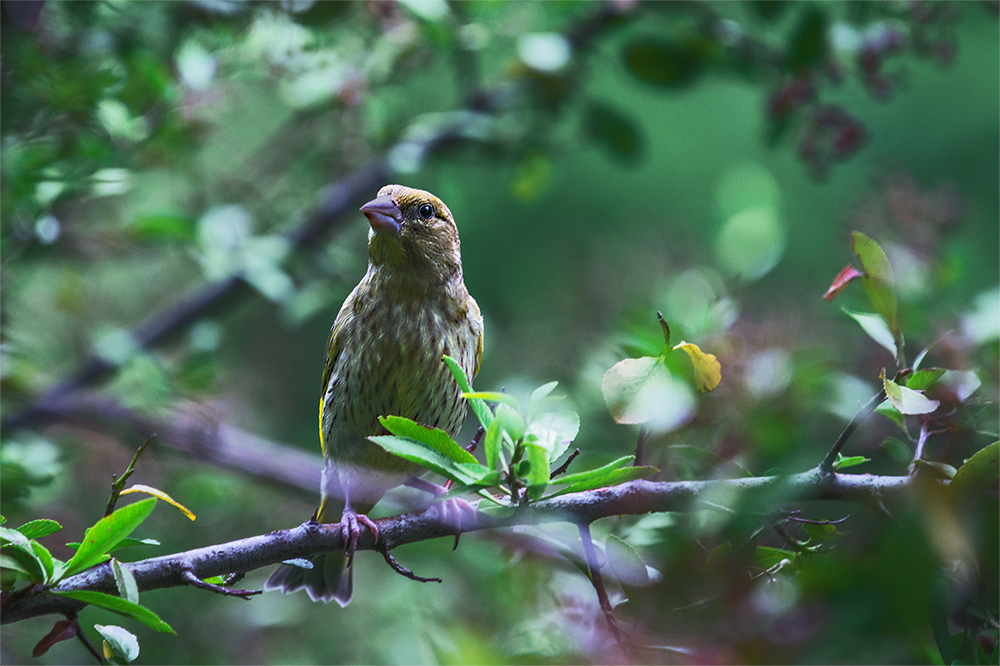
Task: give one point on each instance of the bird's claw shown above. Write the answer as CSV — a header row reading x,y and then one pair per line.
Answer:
x,y
351,525
451,511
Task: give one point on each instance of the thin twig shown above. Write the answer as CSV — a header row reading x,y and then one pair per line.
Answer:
x,y
87,644
565,466
826,466
118,484
598,582
403,571
640,445
218,589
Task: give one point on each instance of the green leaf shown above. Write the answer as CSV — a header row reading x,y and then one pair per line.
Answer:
x,y
642,391
492,445
765,557
158,228
479,408
488,480
44,558
922,379
127,542
611,474
978,473
543,391
19,548
612,130
510,421
843,462
127,587
897,448
8,562
937,469
625,562
808,45
876,328
538,470
821,532
878,279
36,529
108,533
908,401
435,438
554,431
886,409
423,455
120,606
122,641
493,396
662,64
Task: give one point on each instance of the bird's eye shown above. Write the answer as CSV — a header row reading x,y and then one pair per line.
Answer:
x,y
426,211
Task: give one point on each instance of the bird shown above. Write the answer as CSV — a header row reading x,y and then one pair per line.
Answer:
x,y
384,357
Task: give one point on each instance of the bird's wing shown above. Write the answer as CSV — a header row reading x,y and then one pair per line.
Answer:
x,y
332,352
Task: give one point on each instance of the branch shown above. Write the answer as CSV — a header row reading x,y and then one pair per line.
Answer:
x,y
310,538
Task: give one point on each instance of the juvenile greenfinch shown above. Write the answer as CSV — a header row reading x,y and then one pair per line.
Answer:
x,y
384,357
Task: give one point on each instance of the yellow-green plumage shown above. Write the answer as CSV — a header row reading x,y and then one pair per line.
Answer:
x,y
384,357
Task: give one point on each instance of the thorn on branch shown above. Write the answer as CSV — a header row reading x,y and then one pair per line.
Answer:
x,y
565,466
403,571
192,579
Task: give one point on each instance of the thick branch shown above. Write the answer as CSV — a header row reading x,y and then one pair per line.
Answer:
x,y
637,497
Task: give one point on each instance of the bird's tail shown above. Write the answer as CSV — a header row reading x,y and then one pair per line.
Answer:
x,y
331,575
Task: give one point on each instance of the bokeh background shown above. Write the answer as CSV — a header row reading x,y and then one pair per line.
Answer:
x,y
603,162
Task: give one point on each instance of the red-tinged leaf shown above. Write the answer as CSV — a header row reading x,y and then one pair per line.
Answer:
x,y
844,278
63,630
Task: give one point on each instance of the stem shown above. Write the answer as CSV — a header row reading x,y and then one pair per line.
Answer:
x,y
598,582
118,485
826,466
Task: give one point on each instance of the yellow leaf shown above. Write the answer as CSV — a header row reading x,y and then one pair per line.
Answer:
x,y
156,492
707,371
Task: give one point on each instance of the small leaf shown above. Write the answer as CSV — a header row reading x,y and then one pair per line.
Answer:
x,y
886,409
554,431
107,533
581,476
844,278
808,45
543,391
120,606
538,470
122,641
978,473
612,130
510,421
611,474
493,396
641,390
821,532
423,455
127,587
45,559
876,328
843,462
625,562
36,529
8,562
897,448
479,408
908,401
939,470
299,562
662,64
127,542
154,228
156,492
766,558
878,278
922,379
492,445
62,630
435,438
707,370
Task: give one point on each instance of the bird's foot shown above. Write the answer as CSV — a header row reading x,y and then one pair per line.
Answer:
x,y
350,522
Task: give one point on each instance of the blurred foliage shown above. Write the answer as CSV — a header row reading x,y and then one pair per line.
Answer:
x,y
704,160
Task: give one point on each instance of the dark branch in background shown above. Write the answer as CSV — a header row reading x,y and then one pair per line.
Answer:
x,y
598,583
337,202
310,538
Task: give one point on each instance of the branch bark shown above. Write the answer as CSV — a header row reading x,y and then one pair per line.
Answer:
x,y
308,539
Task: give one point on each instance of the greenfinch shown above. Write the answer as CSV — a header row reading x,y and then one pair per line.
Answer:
x,y
384,357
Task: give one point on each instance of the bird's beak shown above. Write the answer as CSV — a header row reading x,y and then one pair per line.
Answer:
x,y
383,214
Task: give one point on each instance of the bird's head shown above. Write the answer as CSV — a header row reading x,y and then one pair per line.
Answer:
x,y
412,231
